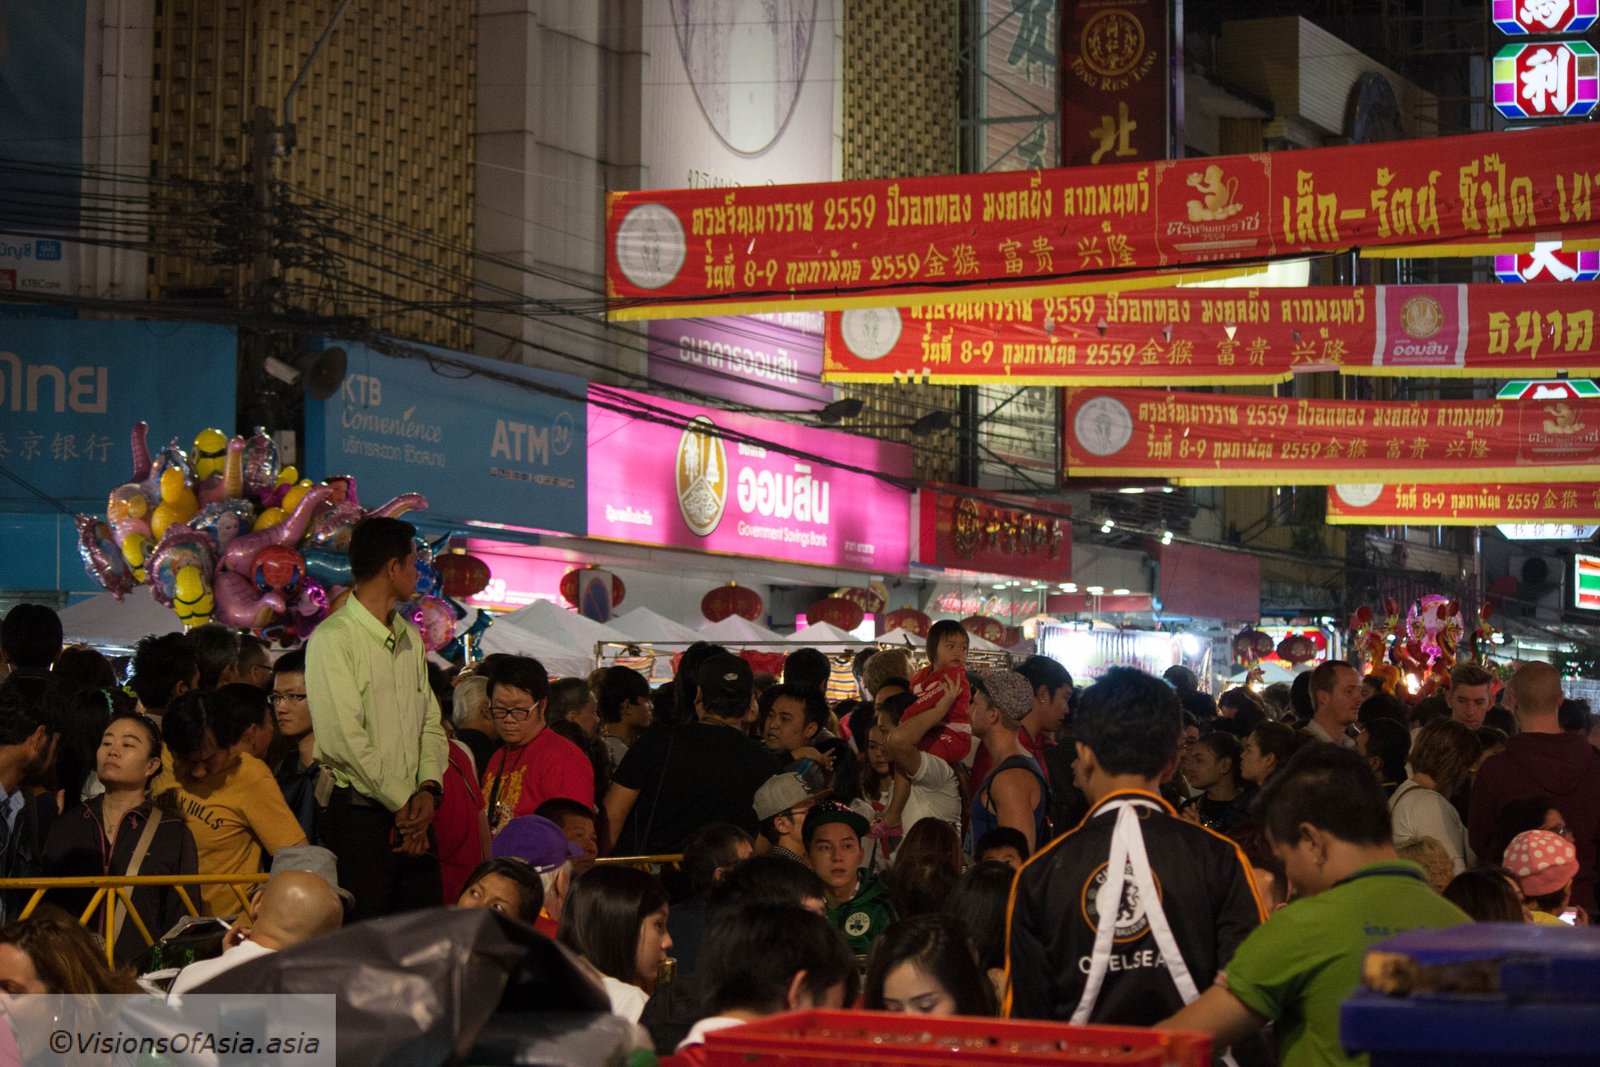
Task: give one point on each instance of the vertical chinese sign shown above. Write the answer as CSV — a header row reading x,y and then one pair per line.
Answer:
x,y
1115,82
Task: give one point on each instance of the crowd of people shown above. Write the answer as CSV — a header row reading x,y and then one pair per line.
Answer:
x,y
948,841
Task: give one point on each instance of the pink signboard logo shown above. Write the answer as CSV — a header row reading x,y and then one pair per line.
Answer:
x,y
717,481
1421,326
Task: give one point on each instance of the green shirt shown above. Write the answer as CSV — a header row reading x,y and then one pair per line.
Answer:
x,y
864,916
1298,967
375,718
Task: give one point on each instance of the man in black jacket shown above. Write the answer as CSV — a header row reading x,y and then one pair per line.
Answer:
x,y
1179,898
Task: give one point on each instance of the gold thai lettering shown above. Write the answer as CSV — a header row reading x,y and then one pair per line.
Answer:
x,y
1321,415
1405,211
1472,418
1504,204
1566,331
1030,354
1112,198
1033,204
1158,445
1247,310
1575,204
1310,217
1341,311
1410,417
719,276
1147,311
941,209
834,270
983,311
731,218
1188,413
1470,500
1255,448
935,348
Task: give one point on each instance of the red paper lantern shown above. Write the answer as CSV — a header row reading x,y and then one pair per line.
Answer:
x,y
910,620
731,599
462,575
569,587
985,627
1318,639
1296,649
836,611
1261,643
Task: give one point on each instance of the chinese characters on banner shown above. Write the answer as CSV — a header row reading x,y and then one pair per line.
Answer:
x,y
1013,535
672,253
1463,505
1546,80
1219,337
1114,82
1207,439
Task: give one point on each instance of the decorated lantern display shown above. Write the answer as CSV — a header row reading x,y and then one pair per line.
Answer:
x,y
836,611
731,599
462,575
990,629
910,620
1297,649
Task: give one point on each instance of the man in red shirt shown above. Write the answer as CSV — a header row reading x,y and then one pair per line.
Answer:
x,y
1052,693
536,764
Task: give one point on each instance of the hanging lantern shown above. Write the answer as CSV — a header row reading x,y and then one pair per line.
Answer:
x,y
1243,647
910,620
836,611
983,626
570,591
1318,639
731,599
870,600
1261,644
462,575
1296,649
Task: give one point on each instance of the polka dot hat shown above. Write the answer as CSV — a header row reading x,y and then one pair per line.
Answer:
x,y
1543,862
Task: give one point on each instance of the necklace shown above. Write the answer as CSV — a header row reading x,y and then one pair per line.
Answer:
x,y
499,812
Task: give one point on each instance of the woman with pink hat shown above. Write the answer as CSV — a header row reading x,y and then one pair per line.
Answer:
x,y
1544,864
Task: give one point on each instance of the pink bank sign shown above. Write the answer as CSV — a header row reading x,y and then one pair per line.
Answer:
x,y
690,488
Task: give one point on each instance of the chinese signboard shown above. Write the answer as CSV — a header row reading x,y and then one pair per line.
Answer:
x,y
687,477
1114,82
1519,17
1547,79
1016,536
70,393
1220,336
1206,439
476,445
1008,234
1548,262
1484,504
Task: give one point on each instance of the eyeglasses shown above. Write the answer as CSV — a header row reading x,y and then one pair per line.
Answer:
x,y
514,714
279,698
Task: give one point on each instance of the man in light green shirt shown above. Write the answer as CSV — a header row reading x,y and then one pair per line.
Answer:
x,y
377,729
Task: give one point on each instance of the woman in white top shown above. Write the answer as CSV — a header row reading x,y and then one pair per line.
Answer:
x,y
1441,757
616,919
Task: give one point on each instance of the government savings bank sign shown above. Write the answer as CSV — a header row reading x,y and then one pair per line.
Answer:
x,y
684,485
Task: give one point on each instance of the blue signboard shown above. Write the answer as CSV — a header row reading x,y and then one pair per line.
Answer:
x,y
70,393
480,449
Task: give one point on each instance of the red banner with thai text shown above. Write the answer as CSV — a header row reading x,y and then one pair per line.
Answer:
x,y
994,533
1006,234
1223,336
1471,504
1211,439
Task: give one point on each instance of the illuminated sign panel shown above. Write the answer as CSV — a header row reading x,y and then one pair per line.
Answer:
x,y
1520,17
1547,79
1548,262
1586,582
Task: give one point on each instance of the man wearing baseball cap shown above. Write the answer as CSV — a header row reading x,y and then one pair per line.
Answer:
x,y
782,804
858,904
542,845
677,779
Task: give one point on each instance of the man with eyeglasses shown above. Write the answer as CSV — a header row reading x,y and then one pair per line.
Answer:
x,y
377,729
307,785
537,764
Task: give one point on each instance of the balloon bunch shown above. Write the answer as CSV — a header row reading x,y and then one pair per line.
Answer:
x,y
1414,657
230,534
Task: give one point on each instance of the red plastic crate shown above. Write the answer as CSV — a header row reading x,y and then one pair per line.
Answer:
x,y
880,1039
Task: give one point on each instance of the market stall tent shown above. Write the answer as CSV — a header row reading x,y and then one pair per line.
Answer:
x,y
643,624
826,637
111,624
552,635
737,630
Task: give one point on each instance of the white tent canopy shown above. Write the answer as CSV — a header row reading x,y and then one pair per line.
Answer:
x,y
562,640
564,661
643,624
1271,673
903,637
106,622
825,637
737,630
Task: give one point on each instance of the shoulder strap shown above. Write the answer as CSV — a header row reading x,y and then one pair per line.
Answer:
x,y
135,861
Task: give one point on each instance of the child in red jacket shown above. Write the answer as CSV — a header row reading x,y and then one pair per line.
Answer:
x,y
947,660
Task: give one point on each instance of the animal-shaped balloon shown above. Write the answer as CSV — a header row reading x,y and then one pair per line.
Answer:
x,y
225,520
101,556
239,602
178,504
192,598
278,569
332,530
137,548
327,566
260,465
169,458
226,482
269,517
210,452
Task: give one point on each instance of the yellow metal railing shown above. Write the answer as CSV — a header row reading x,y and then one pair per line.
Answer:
x,y
669,859
109,890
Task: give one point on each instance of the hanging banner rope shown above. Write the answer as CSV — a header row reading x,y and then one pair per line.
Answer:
x,y
1211,439
1222,336
1004,235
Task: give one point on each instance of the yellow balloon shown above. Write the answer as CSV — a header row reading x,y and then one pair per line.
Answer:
x,y
178,504
136,549
292,497
288,476
210,453
268,517
192,600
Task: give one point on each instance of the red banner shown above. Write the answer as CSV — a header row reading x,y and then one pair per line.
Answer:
x,y
1114,81
1463,505
1208,439
1223,336
1001,235
994,533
